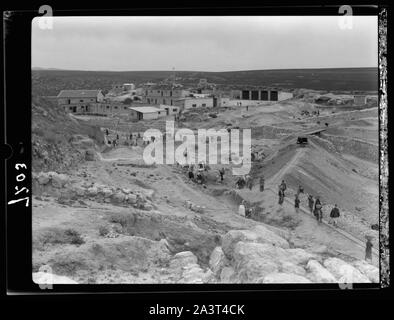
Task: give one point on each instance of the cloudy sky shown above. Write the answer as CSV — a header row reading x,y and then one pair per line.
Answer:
x,y
203,43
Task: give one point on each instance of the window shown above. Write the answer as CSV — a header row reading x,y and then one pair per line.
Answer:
x,y
80,100
107,107
164,101
124,108
194,105
171,93
116,107
204,104
174,110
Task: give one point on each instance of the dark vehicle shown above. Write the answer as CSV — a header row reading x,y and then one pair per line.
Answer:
x,y
302,141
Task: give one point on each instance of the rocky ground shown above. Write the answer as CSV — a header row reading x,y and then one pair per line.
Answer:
x,y
110,218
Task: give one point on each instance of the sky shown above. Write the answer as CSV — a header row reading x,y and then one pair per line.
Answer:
x,y
204,43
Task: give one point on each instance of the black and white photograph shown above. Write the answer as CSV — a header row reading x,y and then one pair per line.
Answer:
x,y
205,150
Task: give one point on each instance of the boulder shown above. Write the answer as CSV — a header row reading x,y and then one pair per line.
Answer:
x,y
90,155
131,198
300,256
259,234
92,191
184,258
319,274
289,267
368,270
59,180
118,198
217,261
280,277
46,278
344,272
43,178
252,262
227,275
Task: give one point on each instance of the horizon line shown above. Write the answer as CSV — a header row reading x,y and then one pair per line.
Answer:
x,y
245,70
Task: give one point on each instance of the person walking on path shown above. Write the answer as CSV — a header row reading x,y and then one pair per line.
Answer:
x,y
221,172
296,203
249,183
334,215
310,202
283,187
241,209
368,250
281,196
262,184
318,210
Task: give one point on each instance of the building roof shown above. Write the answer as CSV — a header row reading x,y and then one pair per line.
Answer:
x,y
78,93
145,109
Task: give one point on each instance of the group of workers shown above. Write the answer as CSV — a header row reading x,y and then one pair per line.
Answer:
x,y
315,205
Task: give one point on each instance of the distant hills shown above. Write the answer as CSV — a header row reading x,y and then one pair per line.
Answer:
x,y
330,79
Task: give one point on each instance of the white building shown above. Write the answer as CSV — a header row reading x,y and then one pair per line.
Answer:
x,y
146,113
79,101
190,103
170,110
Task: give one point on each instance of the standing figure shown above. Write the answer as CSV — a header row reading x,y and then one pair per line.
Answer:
x,y
368,250
318,210
221,172
241,209
310,202
296,203
262,184
281,196
283,187
334,215
248,182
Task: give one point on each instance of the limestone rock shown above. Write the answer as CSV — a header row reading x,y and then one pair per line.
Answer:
x,y
344,272
43,178
227,275
217,261
259,234
46,278
368,270
58,180
289,267
320,274
284,278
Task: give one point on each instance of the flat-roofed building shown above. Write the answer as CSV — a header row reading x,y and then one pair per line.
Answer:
x,y
78,101
163,95
145,113
191,102
261,94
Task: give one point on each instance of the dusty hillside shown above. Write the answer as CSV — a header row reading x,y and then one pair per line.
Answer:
x,y
101,215
58,140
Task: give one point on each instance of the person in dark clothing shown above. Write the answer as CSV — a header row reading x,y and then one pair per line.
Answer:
x,y
240,183
247,108
106,132
310,202
300,190
368,250
221,172
318,210
191,175
281,196
283,187
117,136
296,203
262,181
334,215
